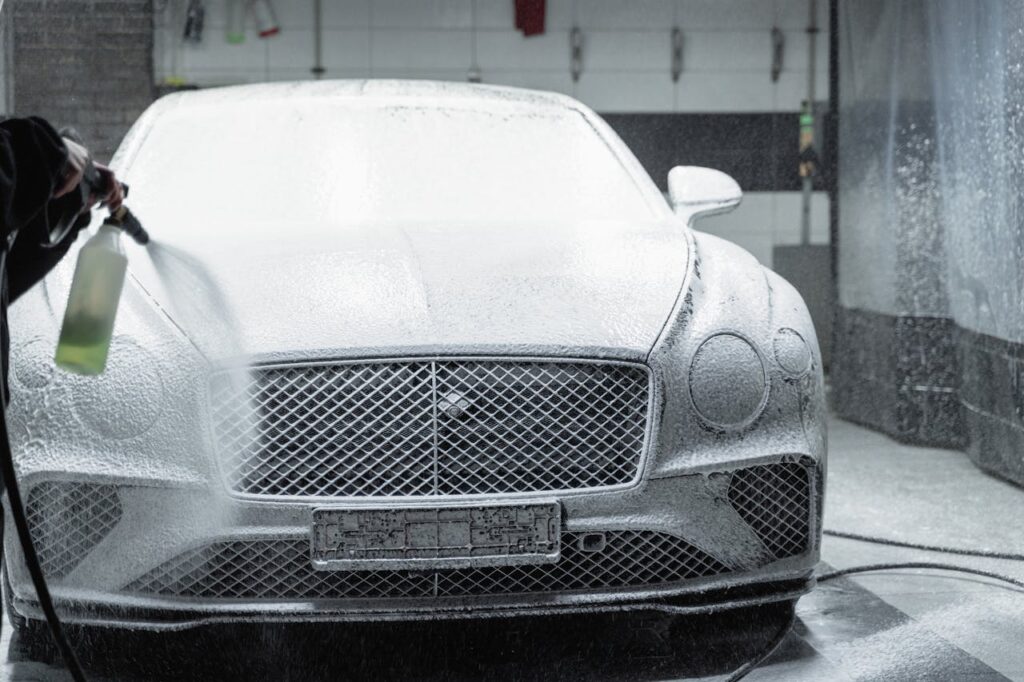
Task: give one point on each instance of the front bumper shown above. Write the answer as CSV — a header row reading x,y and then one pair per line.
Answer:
x,y
179,557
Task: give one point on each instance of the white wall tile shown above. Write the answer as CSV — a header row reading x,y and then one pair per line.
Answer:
x,y
213,78
616,14
759,244
728,51
725,15
555,81
793,14
300,74
625,91
425,73
408,49
639,50
345,49
499,14
820,233
293,14
754,214
342,49
796,50
214,18
791,89
216,53
749,225
510,50
788,217
421,13
496,14
733,92
346,13
291,48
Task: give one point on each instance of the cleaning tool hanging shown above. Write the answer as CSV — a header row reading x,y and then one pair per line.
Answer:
x,y
195,14
234,31
266,22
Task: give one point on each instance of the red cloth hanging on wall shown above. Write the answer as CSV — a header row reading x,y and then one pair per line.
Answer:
x,y
530,16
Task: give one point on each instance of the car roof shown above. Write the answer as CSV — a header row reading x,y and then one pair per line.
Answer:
x,y
428,92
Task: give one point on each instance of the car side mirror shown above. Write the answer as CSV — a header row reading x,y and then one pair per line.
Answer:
x,y
696,191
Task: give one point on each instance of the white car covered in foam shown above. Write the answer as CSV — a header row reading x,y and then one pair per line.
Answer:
x,y
406,350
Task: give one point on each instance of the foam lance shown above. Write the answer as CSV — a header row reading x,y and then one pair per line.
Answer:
x,y
95,293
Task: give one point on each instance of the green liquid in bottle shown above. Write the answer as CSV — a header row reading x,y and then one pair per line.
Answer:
x,y
92,304
84,345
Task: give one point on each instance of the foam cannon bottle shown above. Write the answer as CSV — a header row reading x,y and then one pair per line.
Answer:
x,y
95,294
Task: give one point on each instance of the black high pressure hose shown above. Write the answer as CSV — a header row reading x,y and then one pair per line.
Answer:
x,y
25,538
776,642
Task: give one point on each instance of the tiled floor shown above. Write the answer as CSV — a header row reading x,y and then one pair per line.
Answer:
x,y
938,497
896,625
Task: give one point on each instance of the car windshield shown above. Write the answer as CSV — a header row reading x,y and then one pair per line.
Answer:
x,y
355,162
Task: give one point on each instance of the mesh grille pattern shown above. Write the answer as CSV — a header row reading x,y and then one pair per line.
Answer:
x,y
430,428
67,520
774,500
281,569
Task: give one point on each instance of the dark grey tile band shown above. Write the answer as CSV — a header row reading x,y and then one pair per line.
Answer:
x,y
927,381
760,150
897,374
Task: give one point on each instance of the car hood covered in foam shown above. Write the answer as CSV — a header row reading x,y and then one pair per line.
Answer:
x,y
601,289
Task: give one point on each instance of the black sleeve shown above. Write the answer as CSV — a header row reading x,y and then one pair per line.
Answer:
x,y
33,159
32,256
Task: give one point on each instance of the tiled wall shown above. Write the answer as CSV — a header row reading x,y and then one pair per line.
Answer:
x,y
727,60
767,219
727,48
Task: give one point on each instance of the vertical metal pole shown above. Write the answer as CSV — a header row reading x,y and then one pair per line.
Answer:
x,y
833,144
808,181
318,40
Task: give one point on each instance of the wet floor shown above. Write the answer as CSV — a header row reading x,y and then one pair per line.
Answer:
x,y
921,625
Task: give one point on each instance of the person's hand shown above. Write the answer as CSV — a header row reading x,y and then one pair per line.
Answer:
x,y
78,159
114,192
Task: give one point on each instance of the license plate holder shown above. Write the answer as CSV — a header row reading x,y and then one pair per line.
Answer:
x,y
433,537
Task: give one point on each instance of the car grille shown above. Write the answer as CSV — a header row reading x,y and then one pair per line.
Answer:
x,y
281,569
430,428
774,500
68,520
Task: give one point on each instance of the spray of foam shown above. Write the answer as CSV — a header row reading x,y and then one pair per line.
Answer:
x,y
199,306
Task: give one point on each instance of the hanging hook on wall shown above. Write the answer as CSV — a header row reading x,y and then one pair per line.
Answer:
x,y
677,54
473,74
576,52
778,50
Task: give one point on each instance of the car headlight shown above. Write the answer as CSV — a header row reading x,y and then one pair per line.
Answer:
x,y
728,384
792,352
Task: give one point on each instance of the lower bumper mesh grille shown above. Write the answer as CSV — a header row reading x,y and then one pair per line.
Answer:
x,y
68,520
281,569
774,500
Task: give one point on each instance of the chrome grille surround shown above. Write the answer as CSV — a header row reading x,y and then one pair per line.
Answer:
x,y
280,569
430,428
67,520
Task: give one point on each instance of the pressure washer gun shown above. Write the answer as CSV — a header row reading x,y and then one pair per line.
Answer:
x,y
96,286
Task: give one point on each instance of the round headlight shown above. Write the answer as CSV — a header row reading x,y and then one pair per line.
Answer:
x,y
792,352
728,385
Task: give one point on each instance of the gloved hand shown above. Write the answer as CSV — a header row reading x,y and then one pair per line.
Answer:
x,y
78,160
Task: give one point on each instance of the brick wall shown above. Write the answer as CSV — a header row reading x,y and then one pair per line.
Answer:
x,y
83,63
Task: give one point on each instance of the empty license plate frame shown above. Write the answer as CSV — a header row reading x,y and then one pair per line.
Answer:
x,y
433,537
